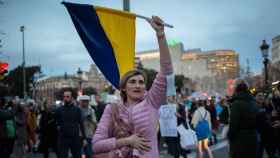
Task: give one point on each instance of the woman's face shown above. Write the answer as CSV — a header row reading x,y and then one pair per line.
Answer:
x,y
135,88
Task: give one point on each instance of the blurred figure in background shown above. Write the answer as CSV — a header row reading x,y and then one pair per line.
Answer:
x,y
21,142
265,130
47,131
89,121
242,127
70,123
214,121
31,125
6,122
100,106
174,147
201,114
224,118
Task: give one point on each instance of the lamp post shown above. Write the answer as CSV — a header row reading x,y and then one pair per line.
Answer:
x,y
126,5
80,72
265,51
22,28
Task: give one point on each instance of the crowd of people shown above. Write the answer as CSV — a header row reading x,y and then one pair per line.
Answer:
x,y
249,121
128,127
27,127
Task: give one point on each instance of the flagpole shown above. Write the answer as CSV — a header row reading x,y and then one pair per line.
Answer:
x,y
127,8
147,18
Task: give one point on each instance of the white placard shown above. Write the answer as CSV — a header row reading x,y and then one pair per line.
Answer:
x,y
168,120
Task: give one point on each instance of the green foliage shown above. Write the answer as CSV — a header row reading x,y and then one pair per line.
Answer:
x,y
14,79
151,75
89,91
179,81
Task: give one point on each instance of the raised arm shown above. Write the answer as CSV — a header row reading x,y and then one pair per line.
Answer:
x,y
157,94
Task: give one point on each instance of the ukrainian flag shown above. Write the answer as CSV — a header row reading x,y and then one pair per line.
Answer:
x,y
108,35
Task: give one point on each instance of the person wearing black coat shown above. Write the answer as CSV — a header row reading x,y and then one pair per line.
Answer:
x,y
264,127
6,144
70,124
47,131
99,108
242,132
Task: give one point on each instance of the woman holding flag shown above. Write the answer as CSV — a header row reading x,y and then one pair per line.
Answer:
x,y
128,129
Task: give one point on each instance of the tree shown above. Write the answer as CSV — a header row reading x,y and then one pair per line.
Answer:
x,y
151,75
179,81
14,79
89,91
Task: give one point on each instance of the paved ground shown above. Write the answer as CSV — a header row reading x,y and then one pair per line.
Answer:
x,y
220,150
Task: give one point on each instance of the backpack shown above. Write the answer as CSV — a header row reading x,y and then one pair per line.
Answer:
x,y
10,129
202,129
7,129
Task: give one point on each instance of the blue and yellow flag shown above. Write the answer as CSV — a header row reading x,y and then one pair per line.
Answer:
x,y
108,35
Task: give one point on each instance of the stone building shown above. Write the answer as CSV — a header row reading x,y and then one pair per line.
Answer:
x,y
275,59
207,68
46,87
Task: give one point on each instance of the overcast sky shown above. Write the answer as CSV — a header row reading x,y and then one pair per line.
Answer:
x,y
52,41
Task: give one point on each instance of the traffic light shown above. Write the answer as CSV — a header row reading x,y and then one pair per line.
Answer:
x,y
3,69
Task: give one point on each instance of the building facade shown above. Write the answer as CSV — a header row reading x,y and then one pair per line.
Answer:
x,y
275,59
47,87
275,56
207,68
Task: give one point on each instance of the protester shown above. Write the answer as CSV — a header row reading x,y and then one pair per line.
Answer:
x,y
265,130
173,143
242,127
89,120
21,142
128,129
276,117
69,120
194,106
31,125
224,115
100,107
201,114
224,118
214,122
6,142
48,131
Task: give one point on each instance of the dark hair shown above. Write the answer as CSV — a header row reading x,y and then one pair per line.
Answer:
x,y
126,77
2,102
241,86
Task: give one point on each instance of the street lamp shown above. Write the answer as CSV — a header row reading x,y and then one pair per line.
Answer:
x,y
80,72
22,28
265,51
126,5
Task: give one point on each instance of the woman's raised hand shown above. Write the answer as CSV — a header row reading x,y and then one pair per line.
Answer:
x,y
157,24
